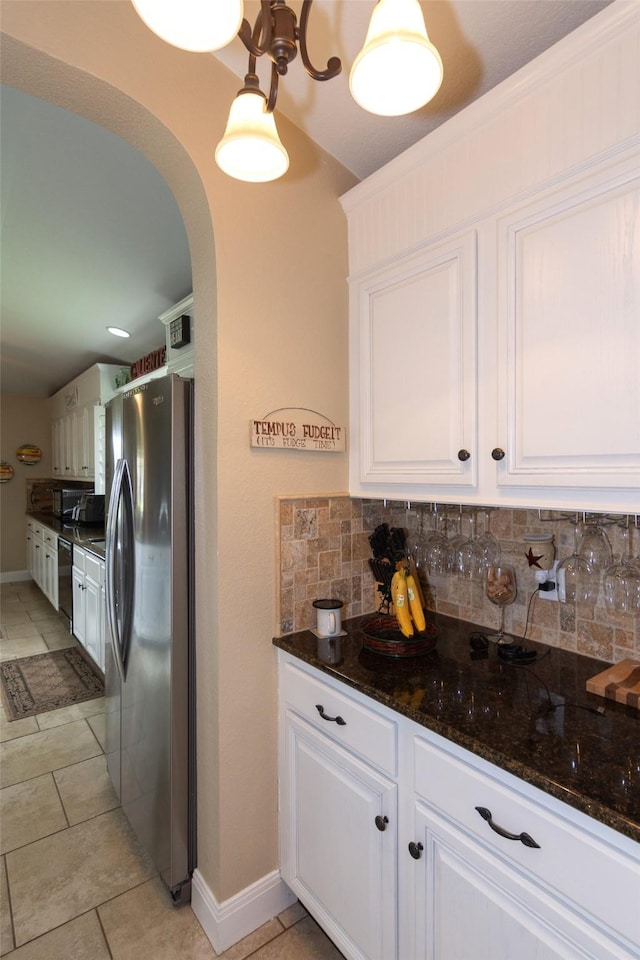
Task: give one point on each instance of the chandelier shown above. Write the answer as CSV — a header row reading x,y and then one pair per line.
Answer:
x,y
397,71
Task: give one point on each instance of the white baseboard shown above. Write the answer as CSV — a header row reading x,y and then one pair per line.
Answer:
x,y
15,576
226,923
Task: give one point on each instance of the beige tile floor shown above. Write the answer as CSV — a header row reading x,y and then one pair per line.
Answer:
x,y
74,884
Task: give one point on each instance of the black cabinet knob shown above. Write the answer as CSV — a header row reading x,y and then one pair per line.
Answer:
x,y
381,823
464,455
497,453
415,849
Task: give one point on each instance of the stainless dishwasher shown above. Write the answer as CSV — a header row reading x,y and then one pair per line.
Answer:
x,y
65,591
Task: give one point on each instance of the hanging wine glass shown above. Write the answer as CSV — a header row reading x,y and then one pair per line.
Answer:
x,y
577,579
470,557
501,590
439,556
418,549
621,580
490,544
456,537
595,548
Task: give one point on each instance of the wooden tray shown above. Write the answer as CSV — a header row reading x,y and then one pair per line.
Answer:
x,y
620,682
382,635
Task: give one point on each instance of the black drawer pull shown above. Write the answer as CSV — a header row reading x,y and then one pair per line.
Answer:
x,y
522,837
463,455
338,720
415,849
497,453
381,823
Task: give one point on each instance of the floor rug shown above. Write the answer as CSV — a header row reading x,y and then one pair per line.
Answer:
x,y
48,681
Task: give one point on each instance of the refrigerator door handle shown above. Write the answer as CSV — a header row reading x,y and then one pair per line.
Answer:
x,y
121,487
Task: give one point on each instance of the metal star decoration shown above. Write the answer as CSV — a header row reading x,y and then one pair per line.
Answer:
x,y
533,559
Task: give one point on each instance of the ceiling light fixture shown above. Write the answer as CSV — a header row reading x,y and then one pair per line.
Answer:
x,y
118,332
397,71
192,24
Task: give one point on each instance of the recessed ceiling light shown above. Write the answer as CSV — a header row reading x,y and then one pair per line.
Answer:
x,y
118,332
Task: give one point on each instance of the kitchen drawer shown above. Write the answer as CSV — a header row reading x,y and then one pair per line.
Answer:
x,y
571,860
365,731
94,568
50,538
79,558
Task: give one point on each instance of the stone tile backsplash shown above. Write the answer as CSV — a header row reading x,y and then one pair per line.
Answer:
x,y
324,552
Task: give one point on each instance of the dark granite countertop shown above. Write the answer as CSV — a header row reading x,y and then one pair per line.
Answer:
x,y
82,536
536,721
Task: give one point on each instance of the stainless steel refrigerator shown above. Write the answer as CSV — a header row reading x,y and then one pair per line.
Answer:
x,y
150,711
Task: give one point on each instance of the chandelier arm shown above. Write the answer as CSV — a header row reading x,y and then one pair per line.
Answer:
x,y
273,90
258,40
334,65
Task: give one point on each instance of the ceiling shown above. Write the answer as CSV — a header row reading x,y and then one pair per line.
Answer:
x,y
91,235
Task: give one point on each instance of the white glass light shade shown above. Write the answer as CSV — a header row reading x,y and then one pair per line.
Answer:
x,y
398,69
251,149
196,25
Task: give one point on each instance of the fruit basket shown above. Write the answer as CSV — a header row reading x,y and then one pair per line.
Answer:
x,y
382,635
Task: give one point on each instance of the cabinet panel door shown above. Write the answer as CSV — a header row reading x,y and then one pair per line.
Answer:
x,y
334,857
570,337
416,375
84,425
79,609
92,619
471,906
58,448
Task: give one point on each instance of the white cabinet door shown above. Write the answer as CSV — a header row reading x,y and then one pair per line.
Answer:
x,y
94,621
337,858
58,447
79,604
469,905
50,571
569,349
31,548
413,369
85,431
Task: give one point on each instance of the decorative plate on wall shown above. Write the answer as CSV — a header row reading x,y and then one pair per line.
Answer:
x,y
29,453
6,471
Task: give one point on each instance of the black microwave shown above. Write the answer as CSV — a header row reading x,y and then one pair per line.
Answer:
x,y
65,499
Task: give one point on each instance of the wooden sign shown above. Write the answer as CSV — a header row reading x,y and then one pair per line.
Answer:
x,y
152,361
297,428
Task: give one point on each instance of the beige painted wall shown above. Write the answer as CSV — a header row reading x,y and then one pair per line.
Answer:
x,y
271,311
23,420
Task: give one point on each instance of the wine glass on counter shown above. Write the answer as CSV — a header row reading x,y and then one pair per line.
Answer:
x,y
577,579
501,590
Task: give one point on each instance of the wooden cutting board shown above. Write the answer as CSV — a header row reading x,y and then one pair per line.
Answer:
x,y
620,682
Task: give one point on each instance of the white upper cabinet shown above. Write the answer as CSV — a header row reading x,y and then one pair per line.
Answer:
x,y
495,292
73,421
415,386
569,289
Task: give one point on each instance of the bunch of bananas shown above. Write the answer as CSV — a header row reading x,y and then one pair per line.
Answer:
x,y
406,596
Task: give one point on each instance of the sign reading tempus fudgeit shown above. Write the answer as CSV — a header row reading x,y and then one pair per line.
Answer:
x,y
297,428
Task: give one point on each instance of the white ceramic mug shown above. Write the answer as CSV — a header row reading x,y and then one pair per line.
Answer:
x,y
328,617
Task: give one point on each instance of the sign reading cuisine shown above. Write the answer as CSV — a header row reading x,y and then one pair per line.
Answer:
x,y
297,428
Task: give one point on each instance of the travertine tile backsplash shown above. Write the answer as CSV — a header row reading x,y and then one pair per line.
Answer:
x,y
324,552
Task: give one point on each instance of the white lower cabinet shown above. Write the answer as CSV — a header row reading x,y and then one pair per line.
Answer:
x,y
339,837
42,558
382,841
497,876
89,603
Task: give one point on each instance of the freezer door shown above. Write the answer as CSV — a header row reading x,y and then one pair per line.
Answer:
x,y
155,691
113,453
